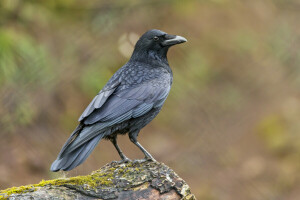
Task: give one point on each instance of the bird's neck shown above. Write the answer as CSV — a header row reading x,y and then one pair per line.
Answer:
x,y
150,57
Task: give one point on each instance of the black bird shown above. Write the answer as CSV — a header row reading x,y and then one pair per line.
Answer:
x,y
129,101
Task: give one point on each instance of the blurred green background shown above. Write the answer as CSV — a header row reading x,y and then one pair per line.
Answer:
x,y
230,126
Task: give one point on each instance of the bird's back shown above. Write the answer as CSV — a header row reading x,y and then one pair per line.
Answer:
x,y
140,85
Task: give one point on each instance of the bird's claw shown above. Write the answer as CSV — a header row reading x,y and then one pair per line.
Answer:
x,y
124,160
139,161
117,162
150,159
144,160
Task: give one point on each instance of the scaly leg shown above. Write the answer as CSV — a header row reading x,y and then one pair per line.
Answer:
x,y
123,157
133,139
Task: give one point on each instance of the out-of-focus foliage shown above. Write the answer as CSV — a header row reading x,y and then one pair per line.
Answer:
x,y
22,62
230,126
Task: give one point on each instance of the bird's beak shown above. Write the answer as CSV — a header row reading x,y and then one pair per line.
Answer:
x,y
173,39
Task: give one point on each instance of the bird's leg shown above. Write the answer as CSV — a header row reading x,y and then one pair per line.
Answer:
x,y
133,139
123,157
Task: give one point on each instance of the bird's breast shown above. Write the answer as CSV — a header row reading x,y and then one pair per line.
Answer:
x,y
141,75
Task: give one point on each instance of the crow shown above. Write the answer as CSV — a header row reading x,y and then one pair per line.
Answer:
x,y
131,99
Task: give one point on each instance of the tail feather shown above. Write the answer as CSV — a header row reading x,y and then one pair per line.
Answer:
x,y
67,160
84,153
72,159
73,136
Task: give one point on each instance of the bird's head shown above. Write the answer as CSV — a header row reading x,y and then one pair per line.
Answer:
x,y
155,44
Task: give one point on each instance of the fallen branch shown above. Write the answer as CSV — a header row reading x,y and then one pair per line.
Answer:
x,y
134,180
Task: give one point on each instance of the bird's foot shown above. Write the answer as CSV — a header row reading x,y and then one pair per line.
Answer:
x,y
150,159
144,160
139,161
124,160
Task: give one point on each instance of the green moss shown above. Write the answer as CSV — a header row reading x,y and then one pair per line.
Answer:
x,y
103,177
89,181
17,190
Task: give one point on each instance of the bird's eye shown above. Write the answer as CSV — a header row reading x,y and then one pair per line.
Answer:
x,y
155,38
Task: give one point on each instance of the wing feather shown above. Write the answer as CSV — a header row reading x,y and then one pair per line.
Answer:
x,y
138,101
102,96
142,109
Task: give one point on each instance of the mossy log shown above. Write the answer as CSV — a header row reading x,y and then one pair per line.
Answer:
x,y
133,180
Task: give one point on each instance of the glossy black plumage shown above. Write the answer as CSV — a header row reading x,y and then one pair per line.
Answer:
x,y
129,101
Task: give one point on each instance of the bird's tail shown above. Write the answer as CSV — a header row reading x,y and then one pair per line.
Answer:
x,y
71,157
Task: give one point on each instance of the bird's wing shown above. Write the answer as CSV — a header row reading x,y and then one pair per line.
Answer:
x,y
122,105
129,103
102,96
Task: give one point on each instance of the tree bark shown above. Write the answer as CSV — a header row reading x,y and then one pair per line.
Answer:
x,y
133,180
